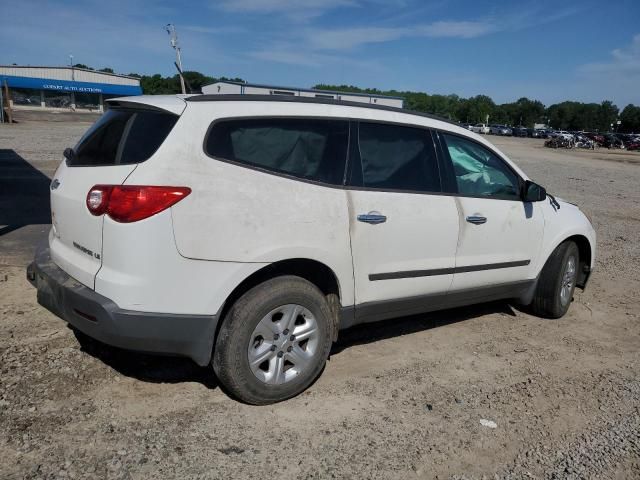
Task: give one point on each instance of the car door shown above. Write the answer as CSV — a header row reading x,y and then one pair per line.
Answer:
x,y
500,235
404,232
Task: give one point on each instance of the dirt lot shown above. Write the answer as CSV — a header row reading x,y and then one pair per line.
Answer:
x,y
402,399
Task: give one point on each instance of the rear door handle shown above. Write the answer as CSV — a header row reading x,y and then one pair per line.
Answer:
x,y
476,219
372,217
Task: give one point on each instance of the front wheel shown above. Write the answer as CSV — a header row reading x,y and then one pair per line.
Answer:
x,y
274,341
557,282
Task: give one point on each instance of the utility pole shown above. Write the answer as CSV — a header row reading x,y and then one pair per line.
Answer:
x,y
73,77
171,30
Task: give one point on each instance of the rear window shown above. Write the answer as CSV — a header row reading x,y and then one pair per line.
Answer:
x,y
313,149
123,137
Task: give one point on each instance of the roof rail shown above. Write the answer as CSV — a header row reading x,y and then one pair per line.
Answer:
x,y
295,99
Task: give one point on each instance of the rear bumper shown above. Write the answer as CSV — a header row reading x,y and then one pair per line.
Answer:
x,y
100,318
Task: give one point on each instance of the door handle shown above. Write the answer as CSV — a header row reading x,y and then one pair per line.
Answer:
x,y
372,217
476,219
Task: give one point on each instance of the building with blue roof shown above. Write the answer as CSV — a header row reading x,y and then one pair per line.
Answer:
x,y
63,88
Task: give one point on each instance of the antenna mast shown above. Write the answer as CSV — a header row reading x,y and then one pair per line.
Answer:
x,y
171,30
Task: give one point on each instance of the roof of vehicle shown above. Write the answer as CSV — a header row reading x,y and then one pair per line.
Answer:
x,y
171,103
325,101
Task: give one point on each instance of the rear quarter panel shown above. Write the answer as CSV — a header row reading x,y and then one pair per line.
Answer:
x,y
239,214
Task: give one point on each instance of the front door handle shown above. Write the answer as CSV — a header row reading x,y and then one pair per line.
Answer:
x,y
372,217
476,219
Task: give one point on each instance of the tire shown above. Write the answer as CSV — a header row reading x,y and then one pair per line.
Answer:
x,y
260,327
557,282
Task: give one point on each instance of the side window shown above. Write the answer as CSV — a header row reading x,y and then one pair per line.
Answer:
x,y
398,158
480,172
314,149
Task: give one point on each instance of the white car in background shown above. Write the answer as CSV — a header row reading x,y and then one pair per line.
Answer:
x,y
480,128
500,130
245,232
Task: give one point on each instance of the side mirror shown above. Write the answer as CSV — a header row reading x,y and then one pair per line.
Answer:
x,y
532,192
69,153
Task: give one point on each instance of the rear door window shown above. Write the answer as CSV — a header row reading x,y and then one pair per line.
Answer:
x,y
123,137
396,157
313,149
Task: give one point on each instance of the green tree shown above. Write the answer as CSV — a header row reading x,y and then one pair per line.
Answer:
x,y
479,107
526,112
607,116
197,80
630,118
155,85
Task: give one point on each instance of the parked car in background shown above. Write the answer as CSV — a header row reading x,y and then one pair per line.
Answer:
x,y
611,141
500,130
632,144
582,141
154,247
630,141
596,137
519,131
562,133
480,128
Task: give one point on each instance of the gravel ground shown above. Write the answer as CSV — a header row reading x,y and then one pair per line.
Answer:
x,y
401,399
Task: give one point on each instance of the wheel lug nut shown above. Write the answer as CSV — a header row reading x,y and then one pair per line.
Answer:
x,y
292,338
280,354
286,332
289,348
273,348
276,336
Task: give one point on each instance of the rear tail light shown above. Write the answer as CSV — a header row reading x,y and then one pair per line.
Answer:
x,y
98,199
130,203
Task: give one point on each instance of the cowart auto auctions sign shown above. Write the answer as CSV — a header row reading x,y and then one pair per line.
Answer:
x,y
71,88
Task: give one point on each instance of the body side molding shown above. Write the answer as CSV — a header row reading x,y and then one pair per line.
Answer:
x,y
445,271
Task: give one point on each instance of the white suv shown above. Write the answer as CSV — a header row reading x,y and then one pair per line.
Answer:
x,y
245,231
480,128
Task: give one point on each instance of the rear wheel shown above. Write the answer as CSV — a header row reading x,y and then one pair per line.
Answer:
x,y
557,282
274,341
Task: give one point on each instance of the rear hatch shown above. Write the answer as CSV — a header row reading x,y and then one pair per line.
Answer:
x,y
126,135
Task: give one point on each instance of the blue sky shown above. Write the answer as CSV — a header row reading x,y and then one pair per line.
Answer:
x,y
548,50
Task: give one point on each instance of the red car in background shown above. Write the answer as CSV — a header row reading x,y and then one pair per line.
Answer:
x,y
596,137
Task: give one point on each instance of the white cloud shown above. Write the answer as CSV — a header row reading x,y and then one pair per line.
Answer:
x,y
292,56
465,29
349,38
299,10
616,78
353,37
281,5
286,53
213,30
623,61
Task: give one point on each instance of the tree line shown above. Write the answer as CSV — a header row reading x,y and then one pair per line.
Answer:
x,y
563,116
